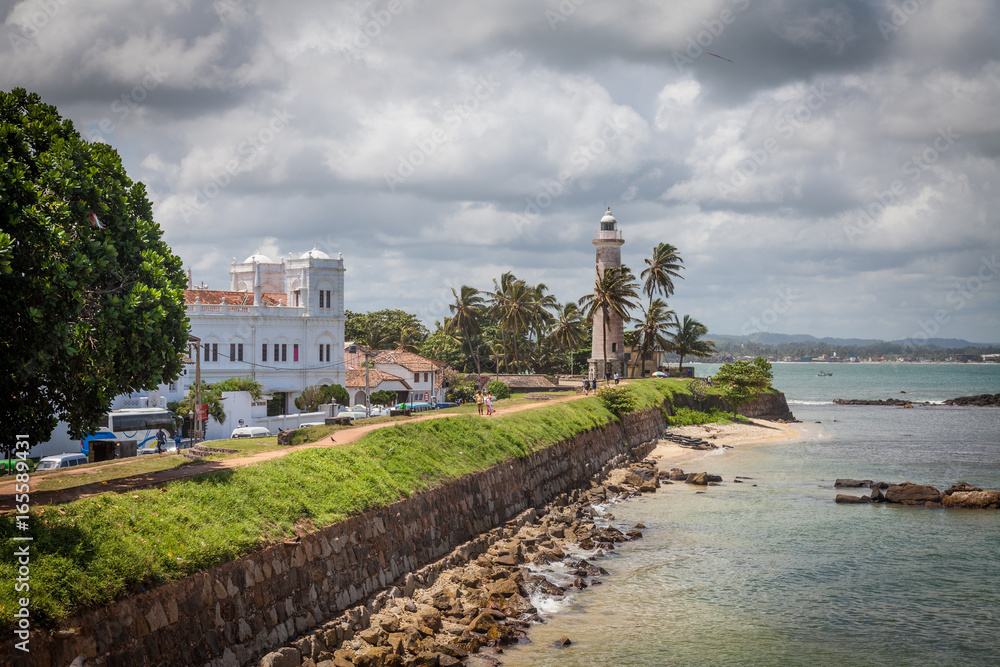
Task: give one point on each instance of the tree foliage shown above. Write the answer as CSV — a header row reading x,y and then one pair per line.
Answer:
x,y
384,329
383,397
743,380
687,340
310,399
661,269
211,396
91,296
499,389
316,395
242,383
618,399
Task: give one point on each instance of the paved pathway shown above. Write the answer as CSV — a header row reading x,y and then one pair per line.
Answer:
x,y
190,470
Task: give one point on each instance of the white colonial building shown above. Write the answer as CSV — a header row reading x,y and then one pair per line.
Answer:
x,y
281,323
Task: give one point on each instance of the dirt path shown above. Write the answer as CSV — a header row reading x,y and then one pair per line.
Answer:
x,y
338,438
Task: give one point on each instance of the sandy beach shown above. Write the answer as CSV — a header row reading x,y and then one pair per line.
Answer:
x,y
667,454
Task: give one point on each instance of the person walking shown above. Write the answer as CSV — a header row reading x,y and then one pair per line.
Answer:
x,y
489,404
616,378
586,386
161,440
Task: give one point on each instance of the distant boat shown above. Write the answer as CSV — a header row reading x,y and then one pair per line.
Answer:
x,y
824,373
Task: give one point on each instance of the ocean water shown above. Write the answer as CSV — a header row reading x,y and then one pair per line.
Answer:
x,y
772,572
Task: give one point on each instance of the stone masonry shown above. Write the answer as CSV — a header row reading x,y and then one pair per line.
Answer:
x,y
232,614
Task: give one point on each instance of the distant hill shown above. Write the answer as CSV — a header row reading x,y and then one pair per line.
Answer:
x,y
766,338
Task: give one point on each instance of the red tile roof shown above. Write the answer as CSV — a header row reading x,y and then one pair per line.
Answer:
x,y
356,378
215,297
411,361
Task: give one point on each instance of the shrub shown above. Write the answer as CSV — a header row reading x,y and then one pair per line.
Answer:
x,y
383,397
334,393
618,399
499,389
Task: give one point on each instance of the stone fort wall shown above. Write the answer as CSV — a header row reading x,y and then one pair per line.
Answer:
x,y
232,614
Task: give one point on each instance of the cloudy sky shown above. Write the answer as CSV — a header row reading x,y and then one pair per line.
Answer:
x,y
839,177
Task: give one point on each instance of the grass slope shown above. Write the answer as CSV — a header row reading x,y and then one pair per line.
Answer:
x,y
93,551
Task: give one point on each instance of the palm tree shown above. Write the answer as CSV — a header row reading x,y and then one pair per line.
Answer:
x,y
615,291
660,271
541,315
686,340
656,322
467,310
497,305
512,303
372,336
568,329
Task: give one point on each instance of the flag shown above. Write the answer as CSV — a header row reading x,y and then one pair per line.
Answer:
x,y
95,222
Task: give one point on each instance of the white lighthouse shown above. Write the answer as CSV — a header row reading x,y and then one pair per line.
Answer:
x,y
608,240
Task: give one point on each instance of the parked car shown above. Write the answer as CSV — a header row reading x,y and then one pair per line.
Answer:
x,y
250,432
307,424
170,448
60,461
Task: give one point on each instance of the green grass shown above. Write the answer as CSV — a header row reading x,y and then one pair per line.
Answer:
x,y
688,417
93,551
103,473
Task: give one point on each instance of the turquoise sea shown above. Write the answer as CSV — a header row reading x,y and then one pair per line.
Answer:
x,y
773,572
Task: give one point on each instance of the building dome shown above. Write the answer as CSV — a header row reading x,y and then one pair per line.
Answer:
x,y
314,254
608,217
258,259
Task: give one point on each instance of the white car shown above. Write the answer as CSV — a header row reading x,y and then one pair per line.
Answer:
x,y
250,432
60,461
151,449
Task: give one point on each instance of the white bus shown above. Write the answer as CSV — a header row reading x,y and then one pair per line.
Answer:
x,y
138,424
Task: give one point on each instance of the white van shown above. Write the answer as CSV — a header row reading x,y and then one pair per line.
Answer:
x,y
60,461
250,432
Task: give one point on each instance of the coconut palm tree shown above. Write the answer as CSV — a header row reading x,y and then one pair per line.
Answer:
x,y
466,313
686,340
541,312
656,322
568,329
512,307
660,271
615,291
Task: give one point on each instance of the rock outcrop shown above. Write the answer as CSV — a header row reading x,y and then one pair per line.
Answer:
x,y
960,495
879,401
471,611
981,400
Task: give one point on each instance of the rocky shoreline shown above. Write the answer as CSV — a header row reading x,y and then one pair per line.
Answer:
x,y
980,400
959,495
464,609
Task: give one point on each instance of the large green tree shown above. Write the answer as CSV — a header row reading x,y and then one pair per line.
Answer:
x,y
91,296
743,380
384,329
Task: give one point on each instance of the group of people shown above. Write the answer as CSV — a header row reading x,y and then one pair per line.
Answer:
x,y
161,440
589,384
484,401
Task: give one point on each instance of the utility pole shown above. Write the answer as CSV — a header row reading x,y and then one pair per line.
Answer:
x,y
368,406
196,424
